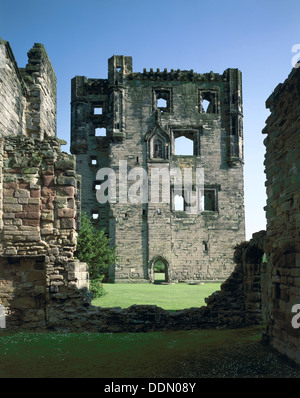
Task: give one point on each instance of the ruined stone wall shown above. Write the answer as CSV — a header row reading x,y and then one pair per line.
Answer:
x,y
39,199
28,95
237,304
40,80
192,246
282,167
12,93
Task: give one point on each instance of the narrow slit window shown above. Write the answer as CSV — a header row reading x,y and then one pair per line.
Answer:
x,y
234,125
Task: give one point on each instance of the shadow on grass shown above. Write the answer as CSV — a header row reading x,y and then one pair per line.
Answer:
x,y
193,354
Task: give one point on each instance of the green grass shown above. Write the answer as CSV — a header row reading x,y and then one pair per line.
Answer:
x,y
105,355
170,297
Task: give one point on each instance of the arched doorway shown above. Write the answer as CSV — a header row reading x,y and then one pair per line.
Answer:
x,y
159,270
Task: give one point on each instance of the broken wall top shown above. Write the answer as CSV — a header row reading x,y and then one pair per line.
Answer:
x,y
27,95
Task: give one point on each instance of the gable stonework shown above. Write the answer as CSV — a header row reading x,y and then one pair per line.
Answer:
x,y
142,116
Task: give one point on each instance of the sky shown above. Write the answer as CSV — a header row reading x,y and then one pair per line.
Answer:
x,y
255,36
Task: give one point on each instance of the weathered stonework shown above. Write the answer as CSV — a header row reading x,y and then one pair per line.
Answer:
x,y
39,198
282,244
42,285
27,95
142,132
237,304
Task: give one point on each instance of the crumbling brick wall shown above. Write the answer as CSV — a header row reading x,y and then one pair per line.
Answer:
x,y
282,167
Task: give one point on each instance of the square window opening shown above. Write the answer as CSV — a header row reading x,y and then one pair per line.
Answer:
x,y
94,161
100,132
184,146
97,185
95,215
161,103
98,110
162,100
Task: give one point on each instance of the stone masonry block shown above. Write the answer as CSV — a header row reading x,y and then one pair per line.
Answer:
x,y
68,213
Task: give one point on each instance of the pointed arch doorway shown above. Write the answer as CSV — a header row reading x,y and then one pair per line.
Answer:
x,y
159,270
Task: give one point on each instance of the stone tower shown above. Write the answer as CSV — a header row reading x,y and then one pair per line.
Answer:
x,y
133,124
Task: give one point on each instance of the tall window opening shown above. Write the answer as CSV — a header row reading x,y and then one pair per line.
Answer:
x,y
210,200
162,100
179,203
234,125
205,105
209,102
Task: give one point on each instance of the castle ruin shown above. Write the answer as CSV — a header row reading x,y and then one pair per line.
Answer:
x,y
138,121
42,285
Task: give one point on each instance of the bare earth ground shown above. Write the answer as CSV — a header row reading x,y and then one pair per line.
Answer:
x,y
250,360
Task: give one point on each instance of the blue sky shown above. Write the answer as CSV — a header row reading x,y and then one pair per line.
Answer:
x,y
255,36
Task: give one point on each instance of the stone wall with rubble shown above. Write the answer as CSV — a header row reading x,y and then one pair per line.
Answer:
x,y
140,133
237,304
282,167
39,198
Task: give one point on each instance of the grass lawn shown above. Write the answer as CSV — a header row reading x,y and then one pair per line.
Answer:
x,y
196,353
170,297
103,354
